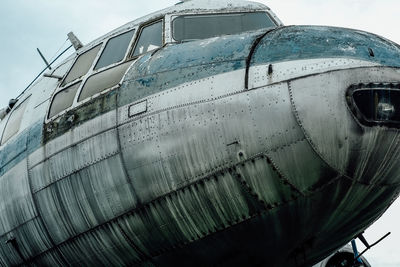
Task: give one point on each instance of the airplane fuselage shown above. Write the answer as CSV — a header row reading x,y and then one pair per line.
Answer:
x,y
243,149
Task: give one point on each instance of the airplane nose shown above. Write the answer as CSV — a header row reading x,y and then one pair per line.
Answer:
x,y
357,135
344,88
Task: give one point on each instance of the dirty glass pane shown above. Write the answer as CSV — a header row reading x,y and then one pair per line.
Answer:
x,y
63,99
381,105
14,122
150,39
103,80
115,50
194,27
82,65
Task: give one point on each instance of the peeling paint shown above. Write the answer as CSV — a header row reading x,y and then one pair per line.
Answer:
x,y
307,42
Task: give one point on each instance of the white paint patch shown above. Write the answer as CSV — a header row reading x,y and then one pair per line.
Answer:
x,y
348,49
208,41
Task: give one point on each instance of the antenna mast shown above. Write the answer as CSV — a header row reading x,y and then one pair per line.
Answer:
x,y
75,41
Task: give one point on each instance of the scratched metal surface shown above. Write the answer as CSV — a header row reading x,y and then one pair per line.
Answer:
x,y
196,209
360,152
300,42
210,173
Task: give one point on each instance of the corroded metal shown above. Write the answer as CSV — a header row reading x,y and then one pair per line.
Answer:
x,y
235,150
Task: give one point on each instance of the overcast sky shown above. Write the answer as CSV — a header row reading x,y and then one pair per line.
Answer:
x,y
26,25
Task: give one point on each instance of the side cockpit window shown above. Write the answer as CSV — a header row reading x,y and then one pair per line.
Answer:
x,y
102,68
103,80
63,99
14,121
150,38
82,65
115,50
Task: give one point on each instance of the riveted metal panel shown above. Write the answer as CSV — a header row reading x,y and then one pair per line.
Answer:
x,y
135,89
201,148
261,75
85,130
189,214
78,134
333,131
274,121
328,115
73,159
265,181
301,165
174,66
95,126
157,163
16,203
198,91
85,199
253,236
235,126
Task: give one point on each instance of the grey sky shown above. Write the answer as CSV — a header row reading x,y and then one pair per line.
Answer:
x,y
26,25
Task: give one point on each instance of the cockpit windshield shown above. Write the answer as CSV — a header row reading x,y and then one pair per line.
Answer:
x,y
195,27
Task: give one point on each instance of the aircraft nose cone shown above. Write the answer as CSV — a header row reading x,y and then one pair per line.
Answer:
x,y
364,150
311,42
326,70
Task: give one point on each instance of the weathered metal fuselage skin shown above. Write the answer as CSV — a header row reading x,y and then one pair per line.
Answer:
x,y
233,151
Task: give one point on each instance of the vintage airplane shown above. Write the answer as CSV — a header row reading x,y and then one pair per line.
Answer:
x,y
205,134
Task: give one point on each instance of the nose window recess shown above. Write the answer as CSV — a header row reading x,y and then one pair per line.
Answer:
x,y
376,104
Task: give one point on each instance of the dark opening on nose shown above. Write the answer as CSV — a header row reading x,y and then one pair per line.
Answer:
x,y
375,104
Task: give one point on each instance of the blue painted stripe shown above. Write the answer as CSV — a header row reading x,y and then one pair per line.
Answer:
x,y
180,63
355,251
310,42
20,147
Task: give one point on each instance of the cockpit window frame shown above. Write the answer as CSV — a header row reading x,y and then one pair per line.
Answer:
x,y
92,71
62,84
129,44
139,32
170,19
